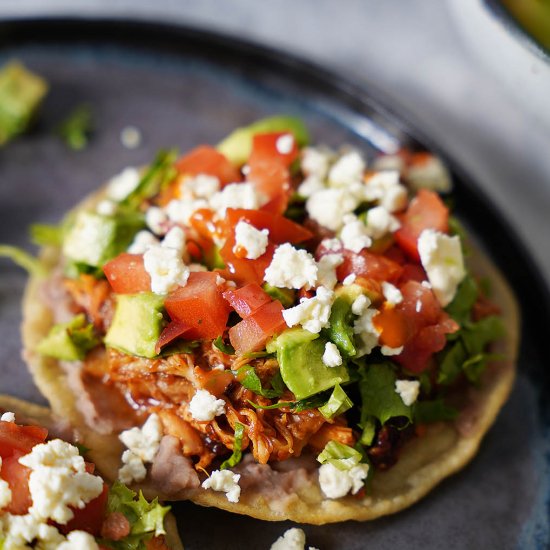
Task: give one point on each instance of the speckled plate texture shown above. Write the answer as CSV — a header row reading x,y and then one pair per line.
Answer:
x,y
183,87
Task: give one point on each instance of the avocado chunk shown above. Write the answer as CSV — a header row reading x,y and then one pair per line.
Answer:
x,y
238,144
137,324
94,239
21,93
286,296
300,357
69,341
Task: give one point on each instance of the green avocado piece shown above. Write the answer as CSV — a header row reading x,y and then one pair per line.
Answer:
x,y
69,341
137,324
21,93
238,144
94,239
300,357
286,296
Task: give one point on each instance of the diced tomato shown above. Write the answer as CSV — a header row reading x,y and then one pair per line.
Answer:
x,y
90,518
200,306
427,325
276,205
268,164
272,146
247,299
126,274
281,229
368,265
425,211
171,332
241,270
252,333
215,381
207,160
17,477
392,326
15,438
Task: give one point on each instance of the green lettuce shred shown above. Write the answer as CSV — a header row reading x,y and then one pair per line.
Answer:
x,y
47,235
23,259
378,395
339,455
337,404
69,341
237,454
146,518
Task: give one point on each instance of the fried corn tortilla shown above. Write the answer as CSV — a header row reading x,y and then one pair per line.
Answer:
x,y
30,413
424,461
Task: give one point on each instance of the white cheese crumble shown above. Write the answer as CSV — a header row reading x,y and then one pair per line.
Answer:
x,y
180,211
366,332
236,195
156,220
291,268
389,351
202,186
7,417
253,241
326,270
142,242
175,238
391,293
354,234
59,481
316,161
106,207
336,483
380,222
408,390
19,530
441,257
142,446
205,407
331,356
79,540
225,481
310,185
130,137
123,184
385,188
347,170
312,313
360,305
166,268
292,539
329,206
333,245
284,144
431,173
349,279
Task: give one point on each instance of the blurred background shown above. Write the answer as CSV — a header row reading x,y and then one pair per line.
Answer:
x,y
458,69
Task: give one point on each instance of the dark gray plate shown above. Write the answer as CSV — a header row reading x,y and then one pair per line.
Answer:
x,y
182,87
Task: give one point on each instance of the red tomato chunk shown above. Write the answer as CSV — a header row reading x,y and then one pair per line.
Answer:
x,y
247,299
126,274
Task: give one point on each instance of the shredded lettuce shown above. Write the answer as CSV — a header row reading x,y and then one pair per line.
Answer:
x,y
146,518
69,341
75,130
468,352
23,259
337,404
339,455
47,235
158,175
237,454
379,398
308,403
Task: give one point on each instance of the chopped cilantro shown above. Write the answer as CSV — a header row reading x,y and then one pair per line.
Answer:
x,y
228,349
247,376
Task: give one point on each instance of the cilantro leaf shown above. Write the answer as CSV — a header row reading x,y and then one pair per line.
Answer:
x,y
379,398
228,349
236,457
247,377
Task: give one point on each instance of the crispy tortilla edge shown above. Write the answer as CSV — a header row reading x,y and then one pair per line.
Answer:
x,y
306,506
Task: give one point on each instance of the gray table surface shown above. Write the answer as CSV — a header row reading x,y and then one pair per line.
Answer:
x,y
416,54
